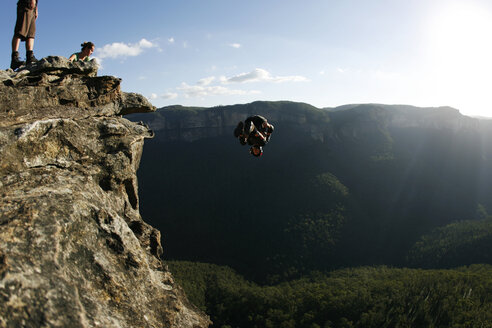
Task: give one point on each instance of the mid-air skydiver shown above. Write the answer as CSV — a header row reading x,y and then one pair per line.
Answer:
x,y
254,131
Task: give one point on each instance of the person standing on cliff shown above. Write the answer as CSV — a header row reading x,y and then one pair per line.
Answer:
x,y
25,30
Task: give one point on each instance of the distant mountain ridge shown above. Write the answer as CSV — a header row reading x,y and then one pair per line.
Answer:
x,y
192,123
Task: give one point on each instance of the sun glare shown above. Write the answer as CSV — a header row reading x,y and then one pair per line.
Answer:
x,y
461,57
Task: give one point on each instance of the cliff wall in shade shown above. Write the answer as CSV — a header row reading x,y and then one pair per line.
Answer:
x,y
173,123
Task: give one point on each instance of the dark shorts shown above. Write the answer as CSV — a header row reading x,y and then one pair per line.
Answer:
x,y
25,26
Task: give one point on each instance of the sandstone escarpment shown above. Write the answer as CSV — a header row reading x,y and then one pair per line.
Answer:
x,y
74,250
177,123
194,123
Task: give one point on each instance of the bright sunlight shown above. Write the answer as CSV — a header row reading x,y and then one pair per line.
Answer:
x,y
461,55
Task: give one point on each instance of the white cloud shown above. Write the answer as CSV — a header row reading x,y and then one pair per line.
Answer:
x,y
144,43
192,91
167,96
119,49
257,75
216,86
170,95
206,80
235,45
261,75
170,40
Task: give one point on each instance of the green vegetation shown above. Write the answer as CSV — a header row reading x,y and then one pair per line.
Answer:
x,y
362,297
459,243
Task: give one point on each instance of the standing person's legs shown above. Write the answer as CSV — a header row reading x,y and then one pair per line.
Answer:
x,y
29,51
30,44
31,32
15,61
25,30
19,31
15,43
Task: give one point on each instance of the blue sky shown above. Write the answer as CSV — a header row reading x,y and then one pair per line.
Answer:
x,y
325,53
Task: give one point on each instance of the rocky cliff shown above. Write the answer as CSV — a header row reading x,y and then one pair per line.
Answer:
x,y
349,121
195,123
74,250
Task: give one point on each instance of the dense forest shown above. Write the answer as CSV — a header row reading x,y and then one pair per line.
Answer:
x,y
368,187
366,297
459,243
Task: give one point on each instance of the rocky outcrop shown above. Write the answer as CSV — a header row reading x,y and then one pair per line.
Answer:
x,y
74,250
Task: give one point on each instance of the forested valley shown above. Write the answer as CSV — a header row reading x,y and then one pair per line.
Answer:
x,y
357,216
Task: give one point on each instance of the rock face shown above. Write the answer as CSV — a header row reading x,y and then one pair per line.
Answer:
x,y
190,124
193,123
74,250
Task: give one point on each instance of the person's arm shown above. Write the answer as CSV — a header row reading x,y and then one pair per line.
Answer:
x,y
36,9
260,135
72,57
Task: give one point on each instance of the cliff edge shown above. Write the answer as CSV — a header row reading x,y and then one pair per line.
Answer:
x,y
74,250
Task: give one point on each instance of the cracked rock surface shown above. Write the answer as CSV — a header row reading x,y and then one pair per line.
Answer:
x,y
74,250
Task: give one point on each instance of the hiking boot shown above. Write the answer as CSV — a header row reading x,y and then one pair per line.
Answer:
x,y
16,62
30,59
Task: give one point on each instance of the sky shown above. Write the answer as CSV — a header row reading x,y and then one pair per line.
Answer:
x,y
323,52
